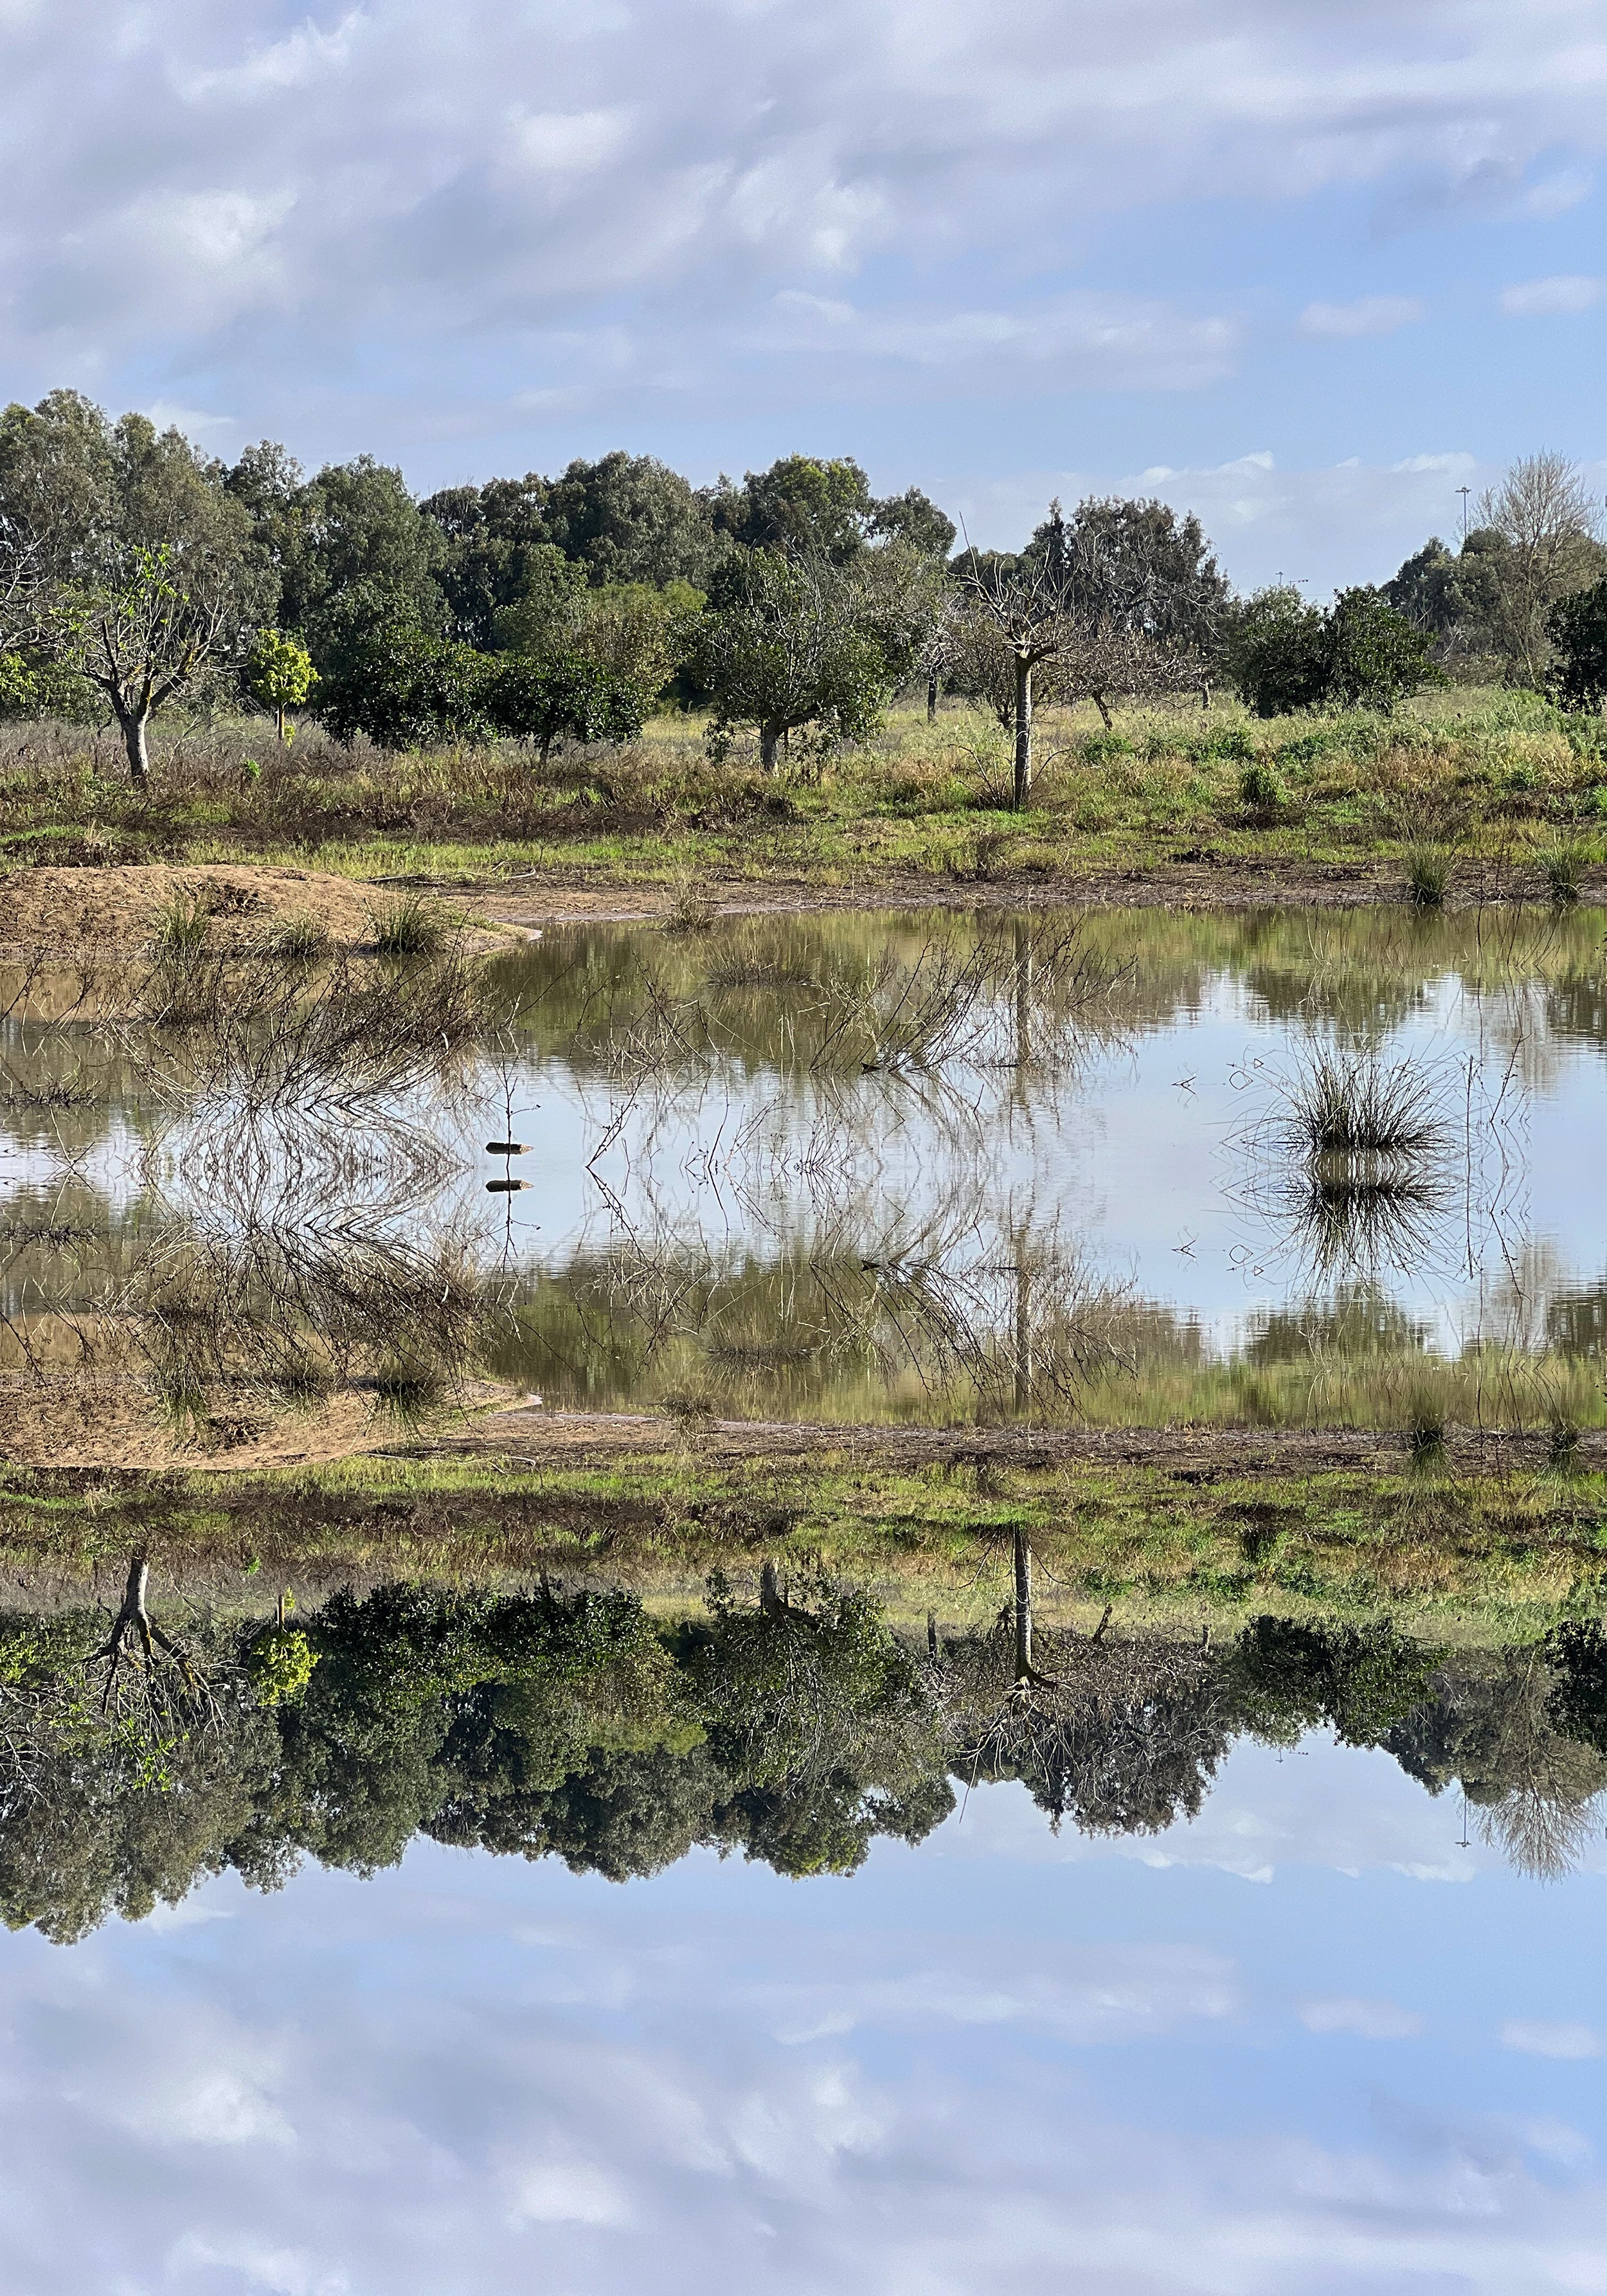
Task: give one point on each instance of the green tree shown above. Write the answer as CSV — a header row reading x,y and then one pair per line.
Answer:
x,y
140,578
1577,627
629,518
561,696
804,506
389,677
493,538
1277,651
790,644
1375,657
354,526
280,675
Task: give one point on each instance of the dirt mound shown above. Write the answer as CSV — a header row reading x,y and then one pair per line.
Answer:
x,y
119,908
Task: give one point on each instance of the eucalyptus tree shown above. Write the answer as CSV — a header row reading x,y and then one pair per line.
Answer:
x,y
136,558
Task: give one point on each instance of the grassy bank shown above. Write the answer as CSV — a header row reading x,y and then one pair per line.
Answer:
x,y
1501,777
1500,1555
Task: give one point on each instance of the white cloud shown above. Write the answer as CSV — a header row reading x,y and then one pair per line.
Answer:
x,y
1371,315
1369,2020
389,204
1536,2038
1544,299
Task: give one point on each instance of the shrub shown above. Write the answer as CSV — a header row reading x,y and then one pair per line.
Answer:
x,y
1428,875
181,926
1105,749
561,697
1578,629
1259,789
410,927
280,1664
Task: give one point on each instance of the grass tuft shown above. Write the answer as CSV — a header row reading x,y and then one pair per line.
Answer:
x,y
410,927
1428,876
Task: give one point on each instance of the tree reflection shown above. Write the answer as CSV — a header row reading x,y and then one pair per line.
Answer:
x,y
143,1751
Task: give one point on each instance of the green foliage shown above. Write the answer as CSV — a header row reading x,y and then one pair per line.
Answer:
x,y
1578,629
412,926
1286,656
787,645
279,1664
1375,657
1577,1651
386,677
561,697
1277,652
1260,790
279,672
1290,1675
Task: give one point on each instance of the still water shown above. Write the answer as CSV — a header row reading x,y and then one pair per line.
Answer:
x,y
536,1943
1320,2039
892,1166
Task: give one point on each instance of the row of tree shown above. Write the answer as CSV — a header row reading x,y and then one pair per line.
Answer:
x,y
789,1722
137,573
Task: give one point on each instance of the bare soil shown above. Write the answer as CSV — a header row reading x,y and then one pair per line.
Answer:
x,y
1227,883
71,910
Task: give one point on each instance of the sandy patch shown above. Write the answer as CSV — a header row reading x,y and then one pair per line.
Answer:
x,y
74,909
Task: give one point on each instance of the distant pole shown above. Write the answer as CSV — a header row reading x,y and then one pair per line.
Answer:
x,y
1464,492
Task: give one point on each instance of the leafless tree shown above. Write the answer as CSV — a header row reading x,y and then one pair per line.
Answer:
x,y
1547,547
1067,616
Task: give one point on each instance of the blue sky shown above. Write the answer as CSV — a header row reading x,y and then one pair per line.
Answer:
x,y
1310,2045
1308,267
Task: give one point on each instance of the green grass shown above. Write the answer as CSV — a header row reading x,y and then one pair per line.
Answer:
x,y
1500,1556
1501,776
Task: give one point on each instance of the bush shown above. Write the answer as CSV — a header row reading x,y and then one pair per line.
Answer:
x,y
1578,629
386,676
1375,656
561,696
280,1664
1276,652
1259,789
1285,655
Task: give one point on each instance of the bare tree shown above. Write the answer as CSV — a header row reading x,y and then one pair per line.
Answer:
x,y
1543,527
1073,610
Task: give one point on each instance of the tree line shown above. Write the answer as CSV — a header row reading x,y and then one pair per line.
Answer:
x,y
788,1720
138,573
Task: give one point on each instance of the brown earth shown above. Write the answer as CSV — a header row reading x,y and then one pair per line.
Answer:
x,y
74,909
541,896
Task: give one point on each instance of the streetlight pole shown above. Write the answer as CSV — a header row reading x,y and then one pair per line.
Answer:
x,y
1464,492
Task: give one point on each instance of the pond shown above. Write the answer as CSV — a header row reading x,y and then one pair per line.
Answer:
x,y
913,1168
484,1929
529,1943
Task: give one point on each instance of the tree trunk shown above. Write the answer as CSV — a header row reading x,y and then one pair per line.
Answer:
x,y
1098,700
279,715
931,696
1205,694
1023,733
1023,1608
769,737
134,723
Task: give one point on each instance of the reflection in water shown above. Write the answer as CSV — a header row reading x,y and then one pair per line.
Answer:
x,y
790,1721
854,1168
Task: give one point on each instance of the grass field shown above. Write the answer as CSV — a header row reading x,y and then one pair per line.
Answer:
x,y
1502,1554
1487,775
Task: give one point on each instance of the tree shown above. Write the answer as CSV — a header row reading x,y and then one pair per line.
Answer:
x,y
628,518
495,539
386,677
1577,627
914,519
800,504
1541,528
1375,657
140,576
545,698
789,643
1277,651
1437,591
280,675
1074,605
355,524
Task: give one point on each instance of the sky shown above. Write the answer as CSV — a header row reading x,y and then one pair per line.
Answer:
x,y
1308,266
1316,2043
